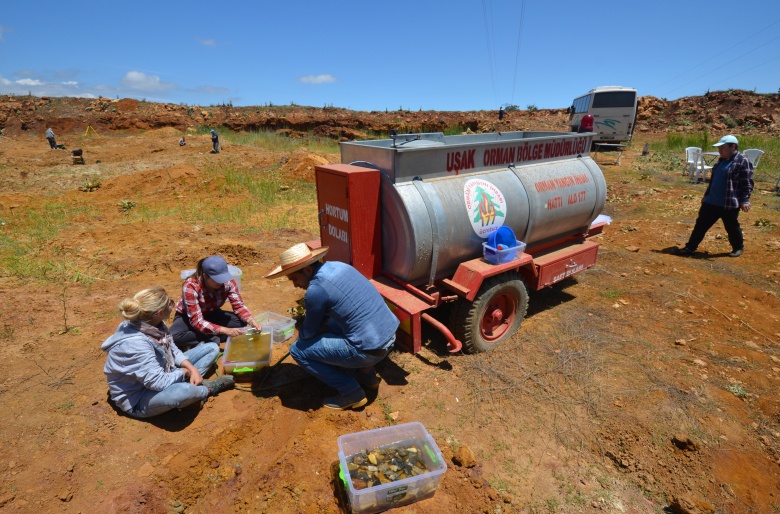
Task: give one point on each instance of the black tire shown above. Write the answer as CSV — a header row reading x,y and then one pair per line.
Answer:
x,y
477,328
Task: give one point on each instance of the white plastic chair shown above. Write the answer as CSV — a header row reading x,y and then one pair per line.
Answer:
x,y
699,168
689,153
754,155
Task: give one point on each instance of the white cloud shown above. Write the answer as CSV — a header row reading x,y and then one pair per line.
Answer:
x,y
29,82
208,42
38,87
317,79
140,81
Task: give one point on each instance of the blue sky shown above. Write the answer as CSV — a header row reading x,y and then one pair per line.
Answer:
x,y
455,55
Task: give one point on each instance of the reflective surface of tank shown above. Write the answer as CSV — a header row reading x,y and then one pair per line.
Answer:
x,y
442,196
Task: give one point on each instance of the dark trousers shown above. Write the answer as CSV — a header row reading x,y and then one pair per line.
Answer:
x,y
186,336
708,215
52,142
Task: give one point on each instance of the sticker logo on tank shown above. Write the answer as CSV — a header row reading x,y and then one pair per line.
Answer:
x,y
485,206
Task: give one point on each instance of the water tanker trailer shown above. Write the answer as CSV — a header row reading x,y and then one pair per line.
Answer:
x,y
412,212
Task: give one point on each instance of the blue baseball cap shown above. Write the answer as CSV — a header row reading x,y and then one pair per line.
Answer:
x,y
727,139
217,269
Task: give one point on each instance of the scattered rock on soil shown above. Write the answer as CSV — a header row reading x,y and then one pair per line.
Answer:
x,y
465,457
687,505
684,442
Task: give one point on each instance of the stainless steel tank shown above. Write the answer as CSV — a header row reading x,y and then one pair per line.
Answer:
x,y
442,196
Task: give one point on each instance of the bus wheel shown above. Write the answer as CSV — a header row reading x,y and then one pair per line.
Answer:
x,y
494,316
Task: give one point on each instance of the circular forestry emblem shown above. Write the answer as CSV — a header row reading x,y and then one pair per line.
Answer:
x,y
485,206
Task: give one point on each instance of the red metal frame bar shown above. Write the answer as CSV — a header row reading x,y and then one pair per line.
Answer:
x,y
453,344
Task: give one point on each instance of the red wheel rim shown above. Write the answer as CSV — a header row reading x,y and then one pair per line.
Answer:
x,y
498,317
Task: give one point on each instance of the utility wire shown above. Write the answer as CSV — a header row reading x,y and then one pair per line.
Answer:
x,y
724,65
690,70
745,71
487,16
517,52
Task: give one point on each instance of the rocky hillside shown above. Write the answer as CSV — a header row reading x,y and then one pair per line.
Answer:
x,y
743,111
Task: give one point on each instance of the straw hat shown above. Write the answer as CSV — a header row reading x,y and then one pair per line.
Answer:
x,y
295,258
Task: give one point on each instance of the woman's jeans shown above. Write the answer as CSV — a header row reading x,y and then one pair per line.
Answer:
x,y
333,360
185,335
180,394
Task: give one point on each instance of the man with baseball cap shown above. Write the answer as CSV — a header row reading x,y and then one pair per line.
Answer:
x,y
360,327
727,193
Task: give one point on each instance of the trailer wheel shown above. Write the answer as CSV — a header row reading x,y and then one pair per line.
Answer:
x,y
494,316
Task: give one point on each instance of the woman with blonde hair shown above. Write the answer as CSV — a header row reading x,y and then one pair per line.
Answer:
x,y
147,374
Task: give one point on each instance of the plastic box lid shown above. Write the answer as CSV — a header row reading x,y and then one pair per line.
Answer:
x,y
247,353
283,327
401,492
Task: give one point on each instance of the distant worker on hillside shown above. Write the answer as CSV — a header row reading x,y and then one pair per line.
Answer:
x,y
215,140
50,137
727,193
182,141
500,113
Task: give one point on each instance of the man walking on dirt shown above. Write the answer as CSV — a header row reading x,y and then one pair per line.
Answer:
x,y
359,327
50,137
215,140
727,193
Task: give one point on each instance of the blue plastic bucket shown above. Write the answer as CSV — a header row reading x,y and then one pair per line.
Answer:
x,y
503,238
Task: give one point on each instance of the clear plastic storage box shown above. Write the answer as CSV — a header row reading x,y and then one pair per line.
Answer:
x,y
498,256
282,326
401,492
247,354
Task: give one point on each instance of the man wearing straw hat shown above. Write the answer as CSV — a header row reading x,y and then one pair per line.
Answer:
x,y
360,326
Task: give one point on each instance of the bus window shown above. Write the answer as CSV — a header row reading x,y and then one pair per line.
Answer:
x,y
614,99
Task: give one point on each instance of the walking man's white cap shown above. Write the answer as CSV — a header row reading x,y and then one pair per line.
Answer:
x,y
727,139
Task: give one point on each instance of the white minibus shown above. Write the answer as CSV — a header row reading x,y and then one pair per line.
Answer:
x,y
613,109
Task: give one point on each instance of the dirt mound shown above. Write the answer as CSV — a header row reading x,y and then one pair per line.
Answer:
x,y
300,165
743,111
171,132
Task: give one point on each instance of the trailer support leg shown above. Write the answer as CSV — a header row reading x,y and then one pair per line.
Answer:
x,y
453,344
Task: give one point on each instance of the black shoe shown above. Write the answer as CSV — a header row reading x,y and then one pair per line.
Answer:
x,y
737,252
683,252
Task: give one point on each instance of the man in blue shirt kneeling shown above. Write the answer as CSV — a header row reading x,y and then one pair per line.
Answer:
x,y
360,327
